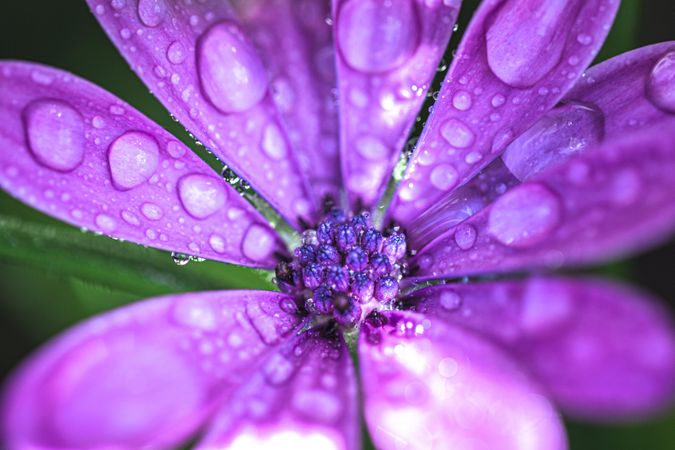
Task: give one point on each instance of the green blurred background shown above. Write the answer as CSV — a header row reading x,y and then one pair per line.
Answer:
x,y
52,275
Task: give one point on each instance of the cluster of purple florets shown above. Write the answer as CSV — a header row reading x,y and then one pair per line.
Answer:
x,y
345,268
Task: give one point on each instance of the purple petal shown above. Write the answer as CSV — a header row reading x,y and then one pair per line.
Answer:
x,y
196,59
602,350
605,203
388,54
516,61
428,384
143,376
296,43
76,152
303,397
609,100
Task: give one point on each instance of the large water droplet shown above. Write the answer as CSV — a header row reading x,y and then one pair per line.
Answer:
x,y
465,236
661,85
376,36
444,177
230,71
152,12
180,259
258,243
201,195
55,133
555,138
133,158
372,148
457,133
462,101
524,216
273,143
526,40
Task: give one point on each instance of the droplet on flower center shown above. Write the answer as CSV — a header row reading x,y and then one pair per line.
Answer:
x,y
345,268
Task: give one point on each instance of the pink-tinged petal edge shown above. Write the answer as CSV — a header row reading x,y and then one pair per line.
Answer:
x,y
602,350
515,62
183,51
429,384
606,203
143,376
387,55
296,44
618,96
78,153
303,398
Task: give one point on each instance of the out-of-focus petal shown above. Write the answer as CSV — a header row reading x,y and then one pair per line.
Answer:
x,y
143,376
604,203
387,52
76,152
195,57
429,384
517,60
296,44
602,350
612,98
303,398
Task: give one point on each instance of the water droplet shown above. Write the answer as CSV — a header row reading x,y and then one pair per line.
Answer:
x,y
106,223
176,53
175,149
230,71
444,177
457,133
473,157
625,187
498,100
258,243
450,300
524,43
152,12
317,404
273,143
201,195
584,39
55,132
130,218
525,215
151,211
194,312
372,148
465,236
661,87
217,243
501,139
278,369
133,159
462,101
180,259
376,36
564,132
98,122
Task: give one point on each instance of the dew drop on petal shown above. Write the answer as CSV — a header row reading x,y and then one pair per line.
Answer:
x,y
217,243
152,12
457,133
450,300
201,195
176,52
195,312
133,158
371,148
462,101
230,71
465,236
273,142
375,36
106,223
444,177
661,87
525,216
151,211
175,149
258,243
55,134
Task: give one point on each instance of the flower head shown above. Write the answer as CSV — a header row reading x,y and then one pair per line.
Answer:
x,y
525,163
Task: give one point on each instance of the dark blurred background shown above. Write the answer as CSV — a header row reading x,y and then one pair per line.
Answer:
x,y
52,275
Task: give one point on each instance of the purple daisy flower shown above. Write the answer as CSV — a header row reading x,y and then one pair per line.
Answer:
x,y
526,163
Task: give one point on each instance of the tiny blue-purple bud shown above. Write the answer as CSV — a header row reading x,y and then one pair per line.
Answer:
x,y
324,233
386,289
306,254
356,259
361,222
312,275
362,287
371,241
337,278
380,265
336,215
322,301
345,237
347,312
327,254
394,246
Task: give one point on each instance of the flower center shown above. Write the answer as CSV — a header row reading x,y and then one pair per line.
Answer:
x,y
345,268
